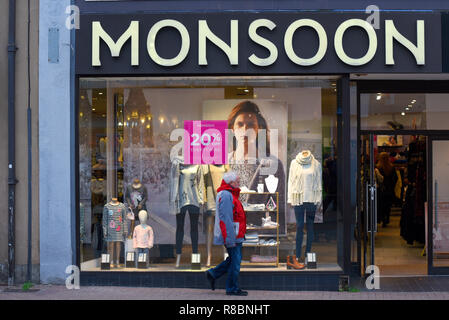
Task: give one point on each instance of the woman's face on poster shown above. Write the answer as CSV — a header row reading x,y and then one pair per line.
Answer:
x,y
246,121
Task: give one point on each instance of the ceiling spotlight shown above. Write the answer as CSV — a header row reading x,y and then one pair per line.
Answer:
x,y
413,101
402,113
100,93
379,96
407,108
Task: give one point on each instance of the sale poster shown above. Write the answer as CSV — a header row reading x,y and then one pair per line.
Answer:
x,y
205,142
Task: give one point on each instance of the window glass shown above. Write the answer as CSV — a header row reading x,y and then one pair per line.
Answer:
x,y
153,151
420,111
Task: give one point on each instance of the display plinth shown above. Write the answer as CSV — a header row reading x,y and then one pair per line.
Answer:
x,y
311,260
142,261
130,260
105,262
196,261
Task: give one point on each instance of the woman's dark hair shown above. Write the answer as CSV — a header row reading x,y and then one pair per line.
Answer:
x,y
249,107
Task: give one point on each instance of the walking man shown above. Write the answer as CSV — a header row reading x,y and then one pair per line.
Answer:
x,y
229,230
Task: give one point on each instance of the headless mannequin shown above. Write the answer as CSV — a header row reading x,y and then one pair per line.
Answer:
x,y
307,209
135,185
193,215
213,180
210,220
114,246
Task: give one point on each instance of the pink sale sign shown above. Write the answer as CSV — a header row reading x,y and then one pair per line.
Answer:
x,y
205,142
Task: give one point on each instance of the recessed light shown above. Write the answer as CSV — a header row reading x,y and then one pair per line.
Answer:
x,y
407,108
100,93
402,113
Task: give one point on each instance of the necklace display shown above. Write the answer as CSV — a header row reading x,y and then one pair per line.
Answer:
x,y
272,183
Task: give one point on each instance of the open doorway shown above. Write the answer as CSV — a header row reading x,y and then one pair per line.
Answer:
x,y
393,193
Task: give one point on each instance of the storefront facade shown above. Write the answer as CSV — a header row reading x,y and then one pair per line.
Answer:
x,y
166,96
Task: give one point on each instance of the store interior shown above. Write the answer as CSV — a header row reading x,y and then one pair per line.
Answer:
x,y
400,241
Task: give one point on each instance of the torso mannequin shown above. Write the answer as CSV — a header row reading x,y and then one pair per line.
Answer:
x,y
272,183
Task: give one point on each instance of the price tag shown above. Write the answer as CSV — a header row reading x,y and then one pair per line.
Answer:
x,y
196,258
105,258
142,257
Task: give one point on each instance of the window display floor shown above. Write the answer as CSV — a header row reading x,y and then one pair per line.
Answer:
x,y
164,267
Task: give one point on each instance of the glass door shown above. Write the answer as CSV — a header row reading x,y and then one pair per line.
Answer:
x,y
438,228
368,203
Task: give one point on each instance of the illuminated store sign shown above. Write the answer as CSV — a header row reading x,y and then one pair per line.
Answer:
x,y
240,42
231,50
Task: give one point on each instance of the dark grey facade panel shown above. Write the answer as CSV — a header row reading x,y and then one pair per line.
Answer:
x,y
445,41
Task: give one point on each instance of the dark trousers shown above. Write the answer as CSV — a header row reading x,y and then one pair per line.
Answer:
x,y
194,213
309,209
232,266
384,203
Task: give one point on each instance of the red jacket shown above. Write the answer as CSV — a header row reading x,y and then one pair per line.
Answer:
x,y
231,231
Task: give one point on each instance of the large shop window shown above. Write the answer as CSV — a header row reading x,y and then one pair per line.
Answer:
x,y
152,153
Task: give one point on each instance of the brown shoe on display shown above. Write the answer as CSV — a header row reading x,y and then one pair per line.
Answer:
x,y
293,263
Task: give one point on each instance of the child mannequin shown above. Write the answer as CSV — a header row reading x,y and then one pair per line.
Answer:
x,y
143,236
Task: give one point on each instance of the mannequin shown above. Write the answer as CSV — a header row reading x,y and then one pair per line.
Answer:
x,y
187,194
143,236
136,196
272,183
115,228
213,174
304,194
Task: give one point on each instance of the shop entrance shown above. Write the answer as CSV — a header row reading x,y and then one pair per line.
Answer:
x,y
393,194
405,213
403,224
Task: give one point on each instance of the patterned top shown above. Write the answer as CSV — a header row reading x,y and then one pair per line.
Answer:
x,y
191,185
115,226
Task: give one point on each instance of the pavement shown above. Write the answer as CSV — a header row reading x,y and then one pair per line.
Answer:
x,y
406,288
